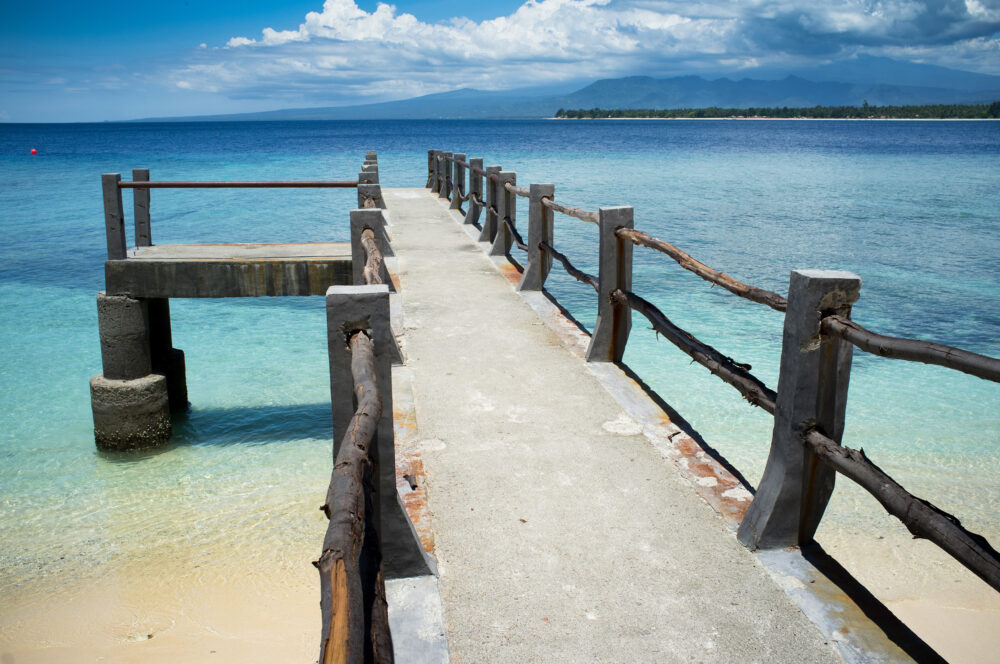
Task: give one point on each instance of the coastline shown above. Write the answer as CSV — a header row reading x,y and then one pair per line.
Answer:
x,y
799,119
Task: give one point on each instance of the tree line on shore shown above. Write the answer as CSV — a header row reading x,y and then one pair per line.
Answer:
x,y
865,111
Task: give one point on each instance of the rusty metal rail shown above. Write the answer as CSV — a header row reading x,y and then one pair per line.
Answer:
x,y
263,184
773,300
355,613
577,274
579,213
913,350
726,368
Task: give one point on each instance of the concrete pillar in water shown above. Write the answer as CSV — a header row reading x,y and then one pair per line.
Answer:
x,y
165,359
130,404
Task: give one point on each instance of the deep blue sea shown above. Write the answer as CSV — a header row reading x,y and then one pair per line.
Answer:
x,y
911,207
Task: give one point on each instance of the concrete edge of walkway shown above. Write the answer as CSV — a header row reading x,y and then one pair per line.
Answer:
x,y
836,615
416,616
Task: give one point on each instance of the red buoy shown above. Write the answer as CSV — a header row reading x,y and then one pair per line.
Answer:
x,y
34,151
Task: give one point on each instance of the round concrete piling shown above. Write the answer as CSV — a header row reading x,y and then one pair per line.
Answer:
x,y
123,323
130,414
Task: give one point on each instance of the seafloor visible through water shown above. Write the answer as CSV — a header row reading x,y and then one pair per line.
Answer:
x,y
911,207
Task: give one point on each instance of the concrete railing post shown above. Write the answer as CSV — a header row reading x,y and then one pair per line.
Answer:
x,y
475,188
130,404
349,309
490,221
364,219
433,181
370,173
812,391
614,321
506,209
540,220
458,182
371,155
373,192
445,191
114,216
140,208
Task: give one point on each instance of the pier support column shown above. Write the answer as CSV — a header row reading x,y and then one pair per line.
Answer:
x,y
130,404
349,309
614,321
165,359
812,391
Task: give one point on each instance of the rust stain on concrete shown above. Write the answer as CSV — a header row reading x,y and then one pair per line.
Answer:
x,y
410,477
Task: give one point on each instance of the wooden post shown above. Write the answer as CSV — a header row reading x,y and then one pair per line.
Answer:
x,y
812,391
114,217
433,183
490,222
458,183
539,229
445,191
348,309
614,320
475,187
506,209
140,207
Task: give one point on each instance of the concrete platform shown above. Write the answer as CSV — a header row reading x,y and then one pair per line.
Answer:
x,y
561,533
230,270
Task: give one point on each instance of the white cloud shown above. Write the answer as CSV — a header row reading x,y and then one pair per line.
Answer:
x,y
343,51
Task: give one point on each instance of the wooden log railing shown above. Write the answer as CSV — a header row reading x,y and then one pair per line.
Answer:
x,y
773,300
913,350
810,404
571,269
352,585
372,271
579,213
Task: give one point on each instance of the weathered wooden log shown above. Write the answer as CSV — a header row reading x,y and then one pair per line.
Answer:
x,y
726,368
347,635
579,213
518,240
518,191
373,258
921,518
773,300
981,366
571,269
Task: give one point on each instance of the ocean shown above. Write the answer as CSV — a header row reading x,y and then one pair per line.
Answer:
x,y
912,207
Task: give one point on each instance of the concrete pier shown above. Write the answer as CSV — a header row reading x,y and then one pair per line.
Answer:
x,y
562,534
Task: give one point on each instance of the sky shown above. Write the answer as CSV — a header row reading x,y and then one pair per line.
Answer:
x,y
80,61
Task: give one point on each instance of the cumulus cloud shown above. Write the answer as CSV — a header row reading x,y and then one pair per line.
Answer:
x,y
343,52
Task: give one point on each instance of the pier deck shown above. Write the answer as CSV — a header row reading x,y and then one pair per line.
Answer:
x,y
230,270
562,533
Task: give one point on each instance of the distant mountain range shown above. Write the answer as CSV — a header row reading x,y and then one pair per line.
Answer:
x,y
879,81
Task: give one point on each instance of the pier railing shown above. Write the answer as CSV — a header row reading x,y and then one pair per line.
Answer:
x,y
367,186
810,401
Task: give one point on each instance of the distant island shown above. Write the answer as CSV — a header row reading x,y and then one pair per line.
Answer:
x,y
863,112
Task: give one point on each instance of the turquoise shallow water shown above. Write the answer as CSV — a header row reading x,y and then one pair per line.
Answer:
x,y
912,207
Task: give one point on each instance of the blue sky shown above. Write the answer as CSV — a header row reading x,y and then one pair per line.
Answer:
x,y
91,61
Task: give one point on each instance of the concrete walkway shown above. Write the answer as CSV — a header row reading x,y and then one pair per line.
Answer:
x,y
562,534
